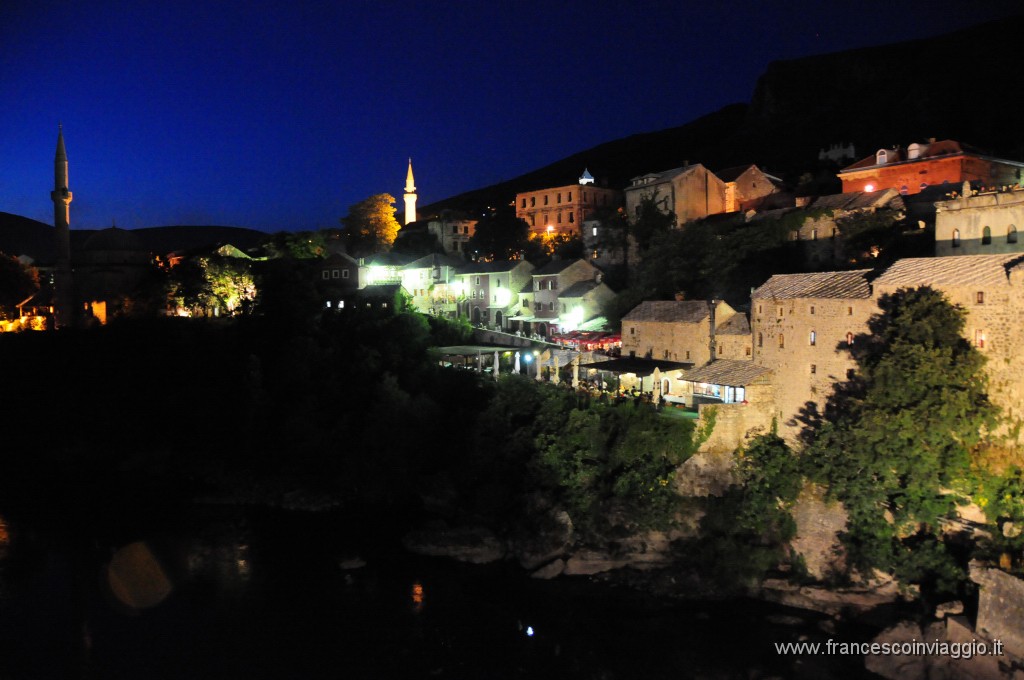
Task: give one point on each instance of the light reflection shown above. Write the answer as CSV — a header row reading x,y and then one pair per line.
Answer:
x,y
417,597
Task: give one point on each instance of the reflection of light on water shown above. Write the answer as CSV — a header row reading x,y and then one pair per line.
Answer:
x,y
417,597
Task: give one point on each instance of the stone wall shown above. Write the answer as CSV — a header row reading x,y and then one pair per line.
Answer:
x,y
970,215
806,371
736,424
1000,607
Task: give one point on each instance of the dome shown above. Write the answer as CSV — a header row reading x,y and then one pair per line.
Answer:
x,y
113,239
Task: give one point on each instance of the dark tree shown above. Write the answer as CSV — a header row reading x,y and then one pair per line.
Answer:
x,y
17,282
499,236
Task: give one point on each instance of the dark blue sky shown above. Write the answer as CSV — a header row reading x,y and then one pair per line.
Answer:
x,y
279,115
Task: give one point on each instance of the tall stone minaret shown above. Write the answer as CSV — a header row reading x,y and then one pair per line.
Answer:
x,y
410,196
63,295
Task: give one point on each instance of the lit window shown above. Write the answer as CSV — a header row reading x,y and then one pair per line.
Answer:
x,y
473,294
341,304
979,338
849,339
814,234
328,304
593,232
869,188
813,338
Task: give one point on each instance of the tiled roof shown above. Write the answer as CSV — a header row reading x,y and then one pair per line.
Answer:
x,y
856,200
946,147
737,324
851,284
726,372
669,311
554,267
491,267
663,175
579,289
955,270
435,260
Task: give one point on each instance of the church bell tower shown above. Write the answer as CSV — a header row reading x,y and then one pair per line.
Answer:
x,y
410,196
63,301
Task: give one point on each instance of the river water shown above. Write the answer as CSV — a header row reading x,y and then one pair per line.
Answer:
x,y
223,592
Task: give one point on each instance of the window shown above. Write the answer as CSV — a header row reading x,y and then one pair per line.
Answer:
x,y
759,309
568,197
478,280
558,218
849,311
849,339
780,311
551,306
533,201
632,330
328,304
495,297
813,338
1011,234
782,341
344,273
533,220
924,185
814,234
812,309
482,296
593,232
746,351
537,306
465,230
341,304
760,340
455,229
980,297
524,202
956,238
687,355
558,199
979,339
335,274
719,350
594,255
545,199
986,236
473,294
325,274
814,369
904,190
572,218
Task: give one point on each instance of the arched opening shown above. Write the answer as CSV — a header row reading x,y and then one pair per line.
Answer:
x,y
1011,234
497,319
542,330
476,316
986,236
956,238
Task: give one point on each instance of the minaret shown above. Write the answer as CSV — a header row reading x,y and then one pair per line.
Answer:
x,y
410,196
61,197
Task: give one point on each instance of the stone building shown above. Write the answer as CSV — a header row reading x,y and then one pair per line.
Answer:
x,y
452,229
675,330
562,209
983,223
920,166
991,289
430,282
690,192
747,187
489,291
732,339
802,326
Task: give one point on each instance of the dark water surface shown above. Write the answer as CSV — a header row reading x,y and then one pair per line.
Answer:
x,y
231,593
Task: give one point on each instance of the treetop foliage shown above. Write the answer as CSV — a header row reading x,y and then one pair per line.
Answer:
x,y
371,224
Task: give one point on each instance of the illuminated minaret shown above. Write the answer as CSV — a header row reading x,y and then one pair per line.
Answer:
x,y
61,197
410,196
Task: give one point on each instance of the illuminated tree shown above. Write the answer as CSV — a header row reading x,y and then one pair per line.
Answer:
x,y
17,282
371,224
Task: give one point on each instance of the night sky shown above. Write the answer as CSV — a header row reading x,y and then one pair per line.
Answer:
x,y
279,115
